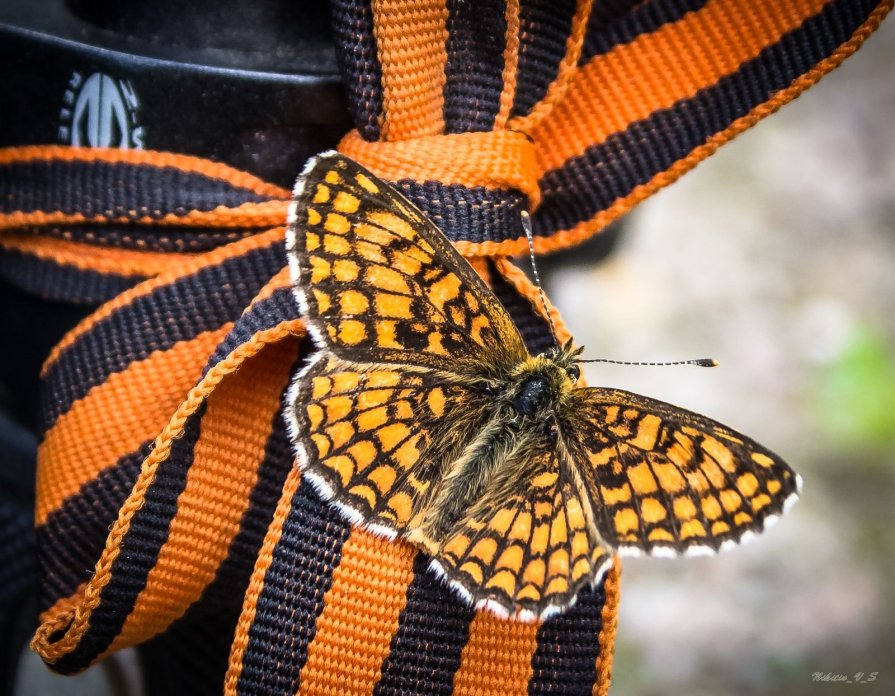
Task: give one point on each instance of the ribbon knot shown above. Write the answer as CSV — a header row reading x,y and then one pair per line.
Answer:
x,y
500,159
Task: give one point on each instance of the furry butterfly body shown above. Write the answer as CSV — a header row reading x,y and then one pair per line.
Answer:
x,y
423,416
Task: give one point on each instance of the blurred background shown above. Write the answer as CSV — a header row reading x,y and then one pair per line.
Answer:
x,y
777,257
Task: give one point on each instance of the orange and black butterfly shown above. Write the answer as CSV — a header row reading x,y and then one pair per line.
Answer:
x,y
423,416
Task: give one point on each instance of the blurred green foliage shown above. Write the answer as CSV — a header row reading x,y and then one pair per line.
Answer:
x,y
856,398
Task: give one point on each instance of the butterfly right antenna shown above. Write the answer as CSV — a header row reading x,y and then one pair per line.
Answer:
x,y
699,362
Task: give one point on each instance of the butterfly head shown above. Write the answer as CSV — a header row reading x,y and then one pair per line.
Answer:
x,y
565,358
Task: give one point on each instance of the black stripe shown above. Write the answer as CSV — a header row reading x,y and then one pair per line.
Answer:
x,y
358,57
139,550
269,312
180,311
192,655
432,630
73,536
585,185
189,658
474,214
474,70
608,11
114,189
138,238
58,282
299,576
616,22
544,27
565,660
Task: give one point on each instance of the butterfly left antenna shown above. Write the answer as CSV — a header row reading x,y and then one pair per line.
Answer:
x,y
526,225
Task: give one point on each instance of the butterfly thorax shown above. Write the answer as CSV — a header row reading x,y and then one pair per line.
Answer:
x,y
536,386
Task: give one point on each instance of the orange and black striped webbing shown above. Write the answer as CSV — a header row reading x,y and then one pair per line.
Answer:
x,y
648,90
83,225
165,485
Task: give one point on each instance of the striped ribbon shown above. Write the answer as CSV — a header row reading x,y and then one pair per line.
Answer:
x,y
169,513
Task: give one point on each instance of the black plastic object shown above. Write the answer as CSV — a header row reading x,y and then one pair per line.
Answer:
x,y
254,85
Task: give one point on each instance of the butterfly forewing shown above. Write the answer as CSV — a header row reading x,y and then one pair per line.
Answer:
x,y
666,480
380,283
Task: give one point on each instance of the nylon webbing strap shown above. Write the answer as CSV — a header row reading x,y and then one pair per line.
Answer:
x,y
166,493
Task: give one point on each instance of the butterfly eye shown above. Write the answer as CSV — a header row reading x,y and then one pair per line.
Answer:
x,y
574,372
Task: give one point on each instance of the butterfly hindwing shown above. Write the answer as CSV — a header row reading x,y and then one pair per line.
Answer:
x,y
372,437
527,547
664,480
380,283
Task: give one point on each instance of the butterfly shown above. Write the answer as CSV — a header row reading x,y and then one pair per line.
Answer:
x,y
422,416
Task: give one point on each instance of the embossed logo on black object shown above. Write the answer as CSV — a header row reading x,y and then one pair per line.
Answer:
x,y
100,111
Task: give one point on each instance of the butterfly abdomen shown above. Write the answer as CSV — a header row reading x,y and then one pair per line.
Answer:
x,y
469,475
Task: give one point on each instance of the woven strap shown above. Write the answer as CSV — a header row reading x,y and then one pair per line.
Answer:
x,y
167,501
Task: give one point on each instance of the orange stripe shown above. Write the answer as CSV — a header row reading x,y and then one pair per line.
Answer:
x,y
230,448
47,642
564,74
412,41
497,657
189,267
585,229
507,247
656,70
256,583
266,214
611,591
116,417
510,64
155,158
90,257
494,159
480,265
360,616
